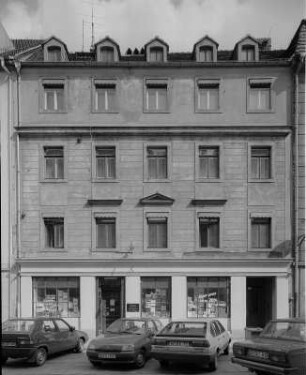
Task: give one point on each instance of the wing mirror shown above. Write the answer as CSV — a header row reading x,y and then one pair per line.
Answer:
x,y
72,328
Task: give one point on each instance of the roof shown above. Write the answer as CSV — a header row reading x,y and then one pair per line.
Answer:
x,y
298,42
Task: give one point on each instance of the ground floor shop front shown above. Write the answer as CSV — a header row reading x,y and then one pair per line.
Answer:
x,y
91,298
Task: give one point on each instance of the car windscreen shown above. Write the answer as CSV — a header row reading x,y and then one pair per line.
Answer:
x,y
127,326
190,329
285,331
18,325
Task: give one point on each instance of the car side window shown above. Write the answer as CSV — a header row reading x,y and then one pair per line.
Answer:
x,y
151,326
212,329
49,326
62,326
221,328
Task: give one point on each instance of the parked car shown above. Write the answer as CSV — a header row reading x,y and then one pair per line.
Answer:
x,y
279,349
36,338
191,341
126,340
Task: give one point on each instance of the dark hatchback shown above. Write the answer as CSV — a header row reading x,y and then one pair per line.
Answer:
x,y
36,338
279,349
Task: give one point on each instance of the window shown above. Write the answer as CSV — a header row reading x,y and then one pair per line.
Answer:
x,y
49,326
261,233
105,97
106,162
208,297
157,232
208,95
53,96
54,54
107,54
106,232
56,296
205,54
157,163
260,95
156,96
62,326
209,162
54,232
156,54
209,232
260,163
248,53
54,163
156,297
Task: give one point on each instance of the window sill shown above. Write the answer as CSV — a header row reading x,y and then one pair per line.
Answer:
x,y
107,250
260,250
53,250
154,250
167,180
261,181
212,111
52,112
105,180
156,111
255,111
54,181
105,112
209,180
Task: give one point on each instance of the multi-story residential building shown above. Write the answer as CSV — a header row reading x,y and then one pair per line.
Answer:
x,y
153,183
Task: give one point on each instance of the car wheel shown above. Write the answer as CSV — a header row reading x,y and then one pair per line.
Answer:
x,y
226,350
163,363
140,359
213,364
40,356
80,346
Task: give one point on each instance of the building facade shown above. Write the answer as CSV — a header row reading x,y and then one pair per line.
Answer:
x,y
152,183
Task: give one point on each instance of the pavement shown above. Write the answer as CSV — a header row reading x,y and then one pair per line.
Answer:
x,y
78,364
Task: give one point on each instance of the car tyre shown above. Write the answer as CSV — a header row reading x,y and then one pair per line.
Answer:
x,y
40,356
213,364
140,359
80,346
226,350
163,363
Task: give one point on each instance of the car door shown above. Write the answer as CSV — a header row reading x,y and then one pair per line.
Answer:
x,y
223,335
67,336
49,335
214,339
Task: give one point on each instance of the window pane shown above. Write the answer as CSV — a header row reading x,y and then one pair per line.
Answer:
x,y
107,54
209,232
157,163
261,163
60,168
156,297
162,99
156,54
49,95
50,168
157,98
214,99
54,232
157,233
60,100
209,162
206,54
106,233
106,162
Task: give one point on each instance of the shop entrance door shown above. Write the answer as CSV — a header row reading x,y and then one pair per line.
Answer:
x,y
259,301
110,301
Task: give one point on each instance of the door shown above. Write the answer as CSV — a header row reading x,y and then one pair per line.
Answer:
x,y
50,335
259,301
67,338
110,301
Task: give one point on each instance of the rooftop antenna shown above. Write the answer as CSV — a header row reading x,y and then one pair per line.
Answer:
x,y
92,28
83,26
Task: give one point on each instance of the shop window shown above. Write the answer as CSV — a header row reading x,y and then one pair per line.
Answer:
x,y
157,163
107,54
208,297
208,95
106,162
261,233
53,96
106,232
206,53
248,53
156,54
156,297
56,297
209,228
260,95
54,163
54,232
209,164
105,96
156,96
157,232
261,163
54,53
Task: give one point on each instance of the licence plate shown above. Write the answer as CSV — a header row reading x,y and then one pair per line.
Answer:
x,y
8,343
258,354
107,355
178,343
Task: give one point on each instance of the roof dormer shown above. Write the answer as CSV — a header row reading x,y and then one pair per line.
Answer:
x,y
205,50
55,50
107,50
156,50
247,49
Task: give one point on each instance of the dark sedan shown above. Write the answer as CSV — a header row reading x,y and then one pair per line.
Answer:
x,y
279,349
126,340
36,338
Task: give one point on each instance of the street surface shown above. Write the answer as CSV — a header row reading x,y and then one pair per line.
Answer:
x,y
78,364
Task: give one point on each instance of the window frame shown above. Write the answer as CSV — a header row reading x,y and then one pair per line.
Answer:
x,y
53,217
209,144
248,47
206,48
159,49
209,83
206,213
42,172
260,81
54,48
147,146
44,83
102,50
262,144
261,214
156,214
106,84
154,283
157,83
109,214
105,145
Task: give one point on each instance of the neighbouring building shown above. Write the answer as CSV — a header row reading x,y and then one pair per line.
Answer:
x,y
155,183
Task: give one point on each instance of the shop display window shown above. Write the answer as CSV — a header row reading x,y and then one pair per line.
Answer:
x,y
56,296
156,297
208,297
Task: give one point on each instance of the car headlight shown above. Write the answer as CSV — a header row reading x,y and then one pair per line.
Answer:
x,y
91,346
278,357
127,348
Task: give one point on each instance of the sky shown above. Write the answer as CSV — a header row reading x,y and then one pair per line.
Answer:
x,y
132,23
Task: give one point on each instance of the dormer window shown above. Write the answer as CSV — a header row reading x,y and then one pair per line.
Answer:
x,y
206,53
54,53
156,54
248,53
107,54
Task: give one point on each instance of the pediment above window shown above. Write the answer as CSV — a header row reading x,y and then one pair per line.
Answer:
x,y
55,50
247,49
107,50
205,50
156,199
156,50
